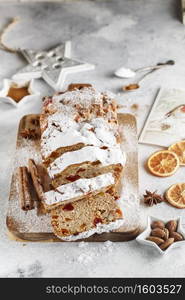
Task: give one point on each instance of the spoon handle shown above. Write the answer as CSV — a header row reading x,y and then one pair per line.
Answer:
x,y
146,74
157,66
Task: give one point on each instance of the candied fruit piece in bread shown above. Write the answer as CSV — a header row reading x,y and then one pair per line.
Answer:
x,y
46,193
81,188
89,160
85,217
86,170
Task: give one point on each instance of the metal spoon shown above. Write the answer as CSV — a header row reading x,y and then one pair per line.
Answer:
x,y
129,73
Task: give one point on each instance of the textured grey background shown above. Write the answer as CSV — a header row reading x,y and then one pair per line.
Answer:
x,y
109,34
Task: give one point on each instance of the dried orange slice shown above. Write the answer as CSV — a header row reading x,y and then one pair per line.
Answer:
x,y
163,163
179,149
175,195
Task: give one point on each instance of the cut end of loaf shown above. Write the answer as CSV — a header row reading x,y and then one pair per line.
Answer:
x,y
87,216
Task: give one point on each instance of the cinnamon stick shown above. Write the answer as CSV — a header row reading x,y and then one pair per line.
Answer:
x,y
36,179
26,202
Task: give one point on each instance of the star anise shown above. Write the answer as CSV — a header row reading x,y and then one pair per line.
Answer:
x,y
152,198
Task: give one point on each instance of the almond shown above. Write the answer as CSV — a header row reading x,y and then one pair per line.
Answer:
x,y
155,239
157,224
158,232
177,236
166,244
166,234
171,225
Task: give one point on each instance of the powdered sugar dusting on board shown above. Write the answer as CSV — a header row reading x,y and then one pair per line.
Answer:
x,y
129,140
129,201
18,219
21,221
28,149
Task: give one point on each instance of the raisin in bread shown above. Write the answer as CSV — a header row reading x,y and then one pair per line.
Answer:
x,y
85,217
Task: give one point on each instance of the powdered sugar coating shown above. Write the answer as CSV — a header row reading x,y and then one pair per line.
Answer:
x,y
78,188
84,104
70,101
62,131
100,228
85,97
107,157
59,121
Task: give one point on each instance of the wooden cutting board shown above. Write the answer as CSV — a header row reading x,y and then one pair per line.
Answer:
x,y
35,226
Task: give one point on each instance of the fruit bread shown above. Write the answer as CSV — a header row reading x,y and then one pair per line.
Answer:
x,y
87,162
80,145
82,105
86,170
46,192
83,218
75,119
63,134
81,188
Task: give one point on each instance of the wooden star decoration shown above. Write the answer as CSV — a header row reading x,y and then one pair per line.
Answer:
x,y
52,65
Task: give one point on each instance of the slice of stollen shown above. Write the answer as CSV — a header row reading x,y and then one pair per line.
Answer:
x,y
83,218
46,192
87,162
62,134
79,189
82,188
87,170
